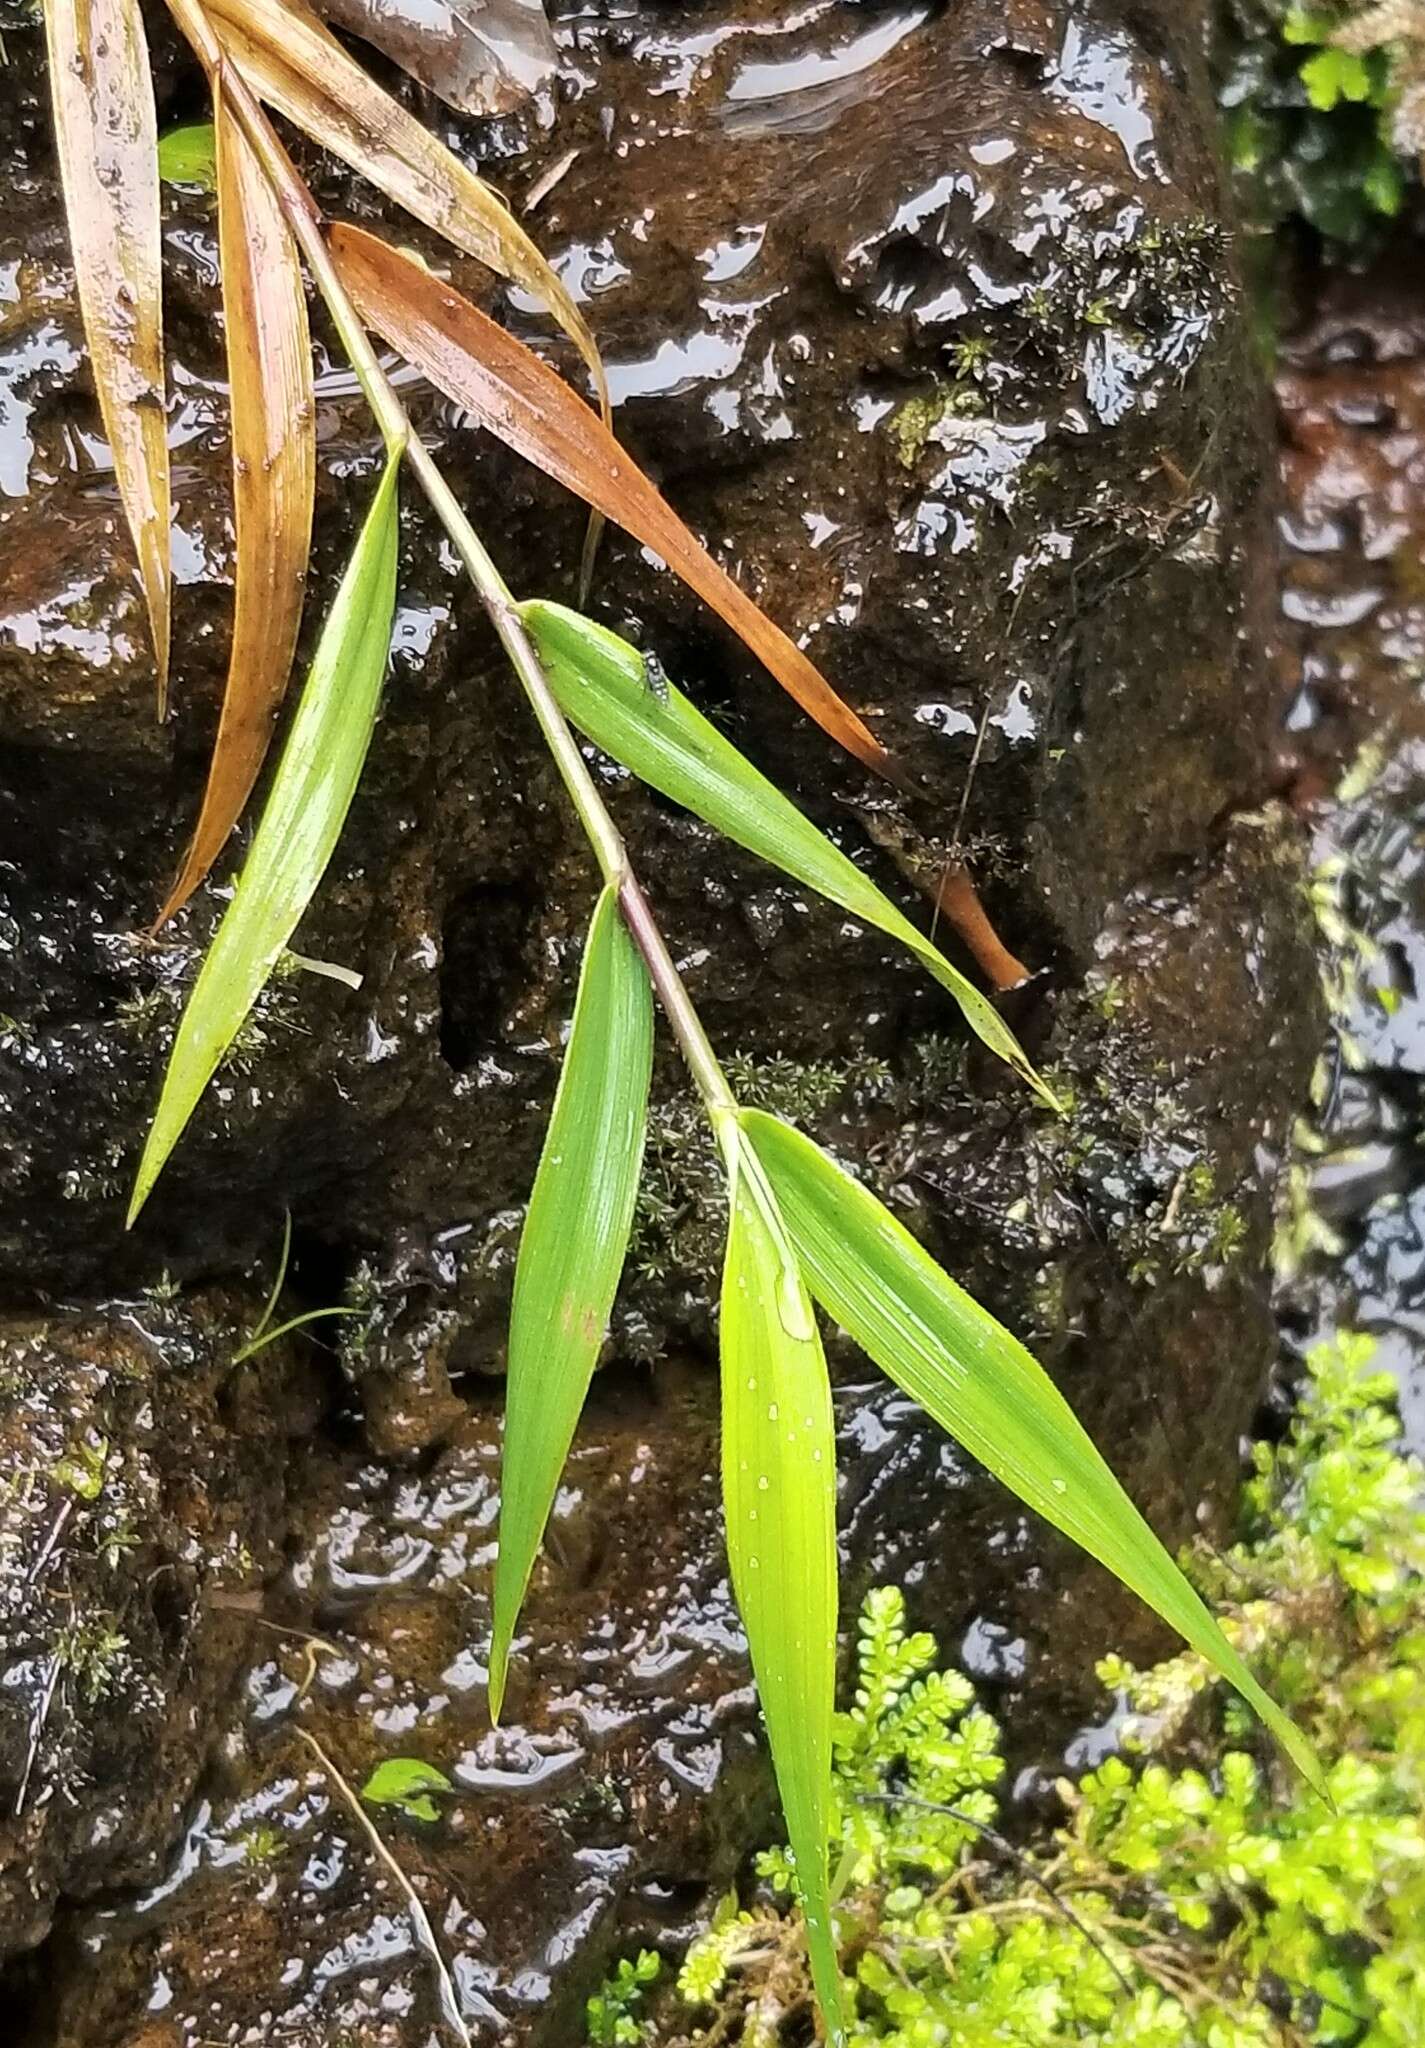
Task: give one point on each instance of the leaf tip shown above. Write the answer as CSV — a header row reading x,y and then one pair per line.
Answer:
x,y
499,1671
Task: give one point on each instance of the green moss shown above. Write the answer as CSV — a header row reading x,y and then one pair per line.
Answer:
x,y
912,424
1196,1895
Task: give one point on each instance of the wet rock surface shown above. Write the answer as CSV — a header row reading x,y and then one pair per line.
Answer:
x,y
144,1487
1352,395
926,322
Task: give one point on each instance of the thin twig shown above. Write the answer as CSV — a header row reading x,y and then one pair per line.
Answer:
x,y
420,1919
1016,1856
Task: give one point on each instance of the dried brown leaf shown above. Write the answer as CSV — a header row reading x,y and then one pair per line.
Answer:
x,y
297,66
274,474
107,138
527,406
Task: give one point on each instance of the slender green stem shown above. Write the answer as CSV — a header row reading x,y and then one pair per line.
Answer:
x,y
396,429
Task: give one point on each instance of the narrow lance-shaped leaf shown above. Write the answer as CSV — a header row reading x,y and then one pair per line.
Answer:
x,y
779,1498
274,478
297,66
571,1251
108,163
980,1384
301,821
601,682
523,403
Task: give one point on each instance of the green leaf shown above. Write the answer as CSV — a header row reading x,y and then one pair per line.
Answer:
x,y
572,1250
601,682
981,1385
301,822
1384,187
406,1783
189,156
1333,75
779,1498
1301,26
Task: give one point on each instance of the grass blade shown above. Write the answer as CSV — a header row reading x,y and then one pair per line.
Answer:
x,y
524,404
107,136
571,1251
297,66
274,479
779,1498
601,683
981,1385
301,821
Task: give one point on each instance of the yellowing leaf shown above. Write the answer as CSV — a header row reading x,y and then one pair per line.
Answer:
x,y
297,66
274,478
572,1250
108,162
601,683
980,1384
779,1499
311,793
523,403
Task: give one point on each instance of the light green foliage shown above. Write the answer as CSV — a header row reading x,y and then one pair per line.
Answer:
x,y
610,2015
1215,1903
779,1502
95,1654
407,1783
81,1469
189,156
571,1250
981,1385
305,810
1311,124
601,684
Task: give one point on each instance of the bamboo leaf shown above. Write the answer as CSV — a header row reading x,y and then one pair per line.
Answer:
x,y
107,136
274,479
311,793
189,156
571,1251
297,66
980,1384
779,1499
601,683
524,404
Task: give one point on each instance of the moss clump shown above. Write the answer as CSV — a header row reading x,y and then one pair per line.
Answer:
x,y
1197,1894
912,424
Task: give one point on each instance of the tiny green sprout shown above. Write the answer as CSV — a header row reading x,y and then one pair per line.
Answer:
x,y
610,2020
406,1783
262,1845
94,1652
971,357
81,1470
1109,998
